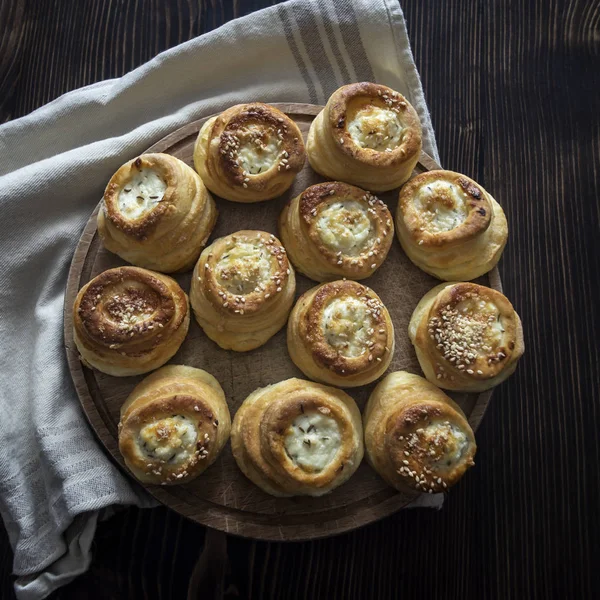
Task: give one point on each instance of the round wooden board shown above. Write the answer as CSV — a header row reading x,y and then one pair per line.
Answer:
x,y
222,497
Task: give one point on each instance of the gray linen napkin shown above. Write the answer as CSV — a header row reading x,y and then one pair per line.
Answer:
x,y
54,164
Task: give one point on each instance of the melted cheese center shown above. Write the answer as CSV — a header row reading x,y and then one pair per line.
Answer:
x,y
131,306
243,267
441,206
258,150
171,440
345,226
141,194
346,325
376,128
482,322
444,444
312,441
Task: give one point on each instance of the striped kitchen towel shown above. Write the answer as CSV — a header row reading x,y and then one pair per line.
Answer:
x,y
54,164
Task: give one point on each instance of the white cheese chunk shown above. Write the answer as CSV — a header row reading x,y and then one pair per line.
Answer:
x,y
441,205
171,440
258,151
376,128
141,194
346,325
345,226
243,266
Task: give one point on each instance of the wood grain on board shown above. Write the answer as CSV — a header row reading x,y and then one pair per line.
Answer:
x,y
513,94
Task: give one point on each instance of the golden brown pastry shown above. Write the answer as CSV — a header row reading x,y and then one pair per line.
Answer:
x,y
249,153
173,425
128,321
341,333
334,230
467,337
368,135
449,226
416,437
297,438
156,213
243,289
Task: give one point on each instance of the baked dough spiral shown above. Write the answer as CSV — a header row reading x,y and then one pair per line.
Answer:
x,y
249,153
449,226
173,425
334,230
243,289
297,438
340,333
467,337
416,437
128,321
368,135
156,213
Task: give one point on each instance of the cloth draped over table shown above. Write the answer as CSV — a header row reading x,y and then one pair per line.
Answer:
x,y
54,165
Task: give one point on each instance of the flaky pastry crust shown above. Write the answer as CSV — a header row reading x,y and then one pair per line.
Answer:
x,y
156,213
128,321
334,230
173,425
368,135
467,337
297,438
449,226
416,437
249,153
340,333
243,289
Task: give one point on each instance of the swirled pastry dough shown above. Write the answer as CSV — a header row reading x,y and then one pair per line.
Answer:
x,y
249,153
368,135
297,438
243,289
449,226
156,213
173,425
335,230
467,337
340,333
416,437
128,321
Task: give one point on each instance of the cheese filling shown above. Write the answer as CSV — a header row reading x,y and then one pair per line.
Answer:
x,y
344,226
444,444
171,440
243,267
376,128
482,321
141,194
346,326
312,441
258,150
441,206
131,306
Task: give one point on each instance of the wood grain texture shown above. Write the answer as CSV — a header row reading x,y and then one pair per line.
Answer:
x,y
513,93
222,497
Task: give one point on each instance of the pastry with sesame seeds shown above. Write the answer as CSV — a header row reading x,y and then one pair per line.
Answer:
x,y
340,333
467,337
368,135
416,437
156,214
449,226
334,230
297,438
249,153
173,425
243,289
129,321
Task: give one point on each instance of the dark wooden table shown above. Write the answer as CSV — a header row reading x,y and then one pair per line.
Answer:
x,y
514,93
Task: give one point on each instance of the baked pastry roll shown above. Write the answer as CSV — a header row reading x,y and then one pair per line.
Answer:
x,y
416,437
341,333
297,438
243,289
449,226
128,321
334,230
249,153
173,425
368,135
156,213
467,337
